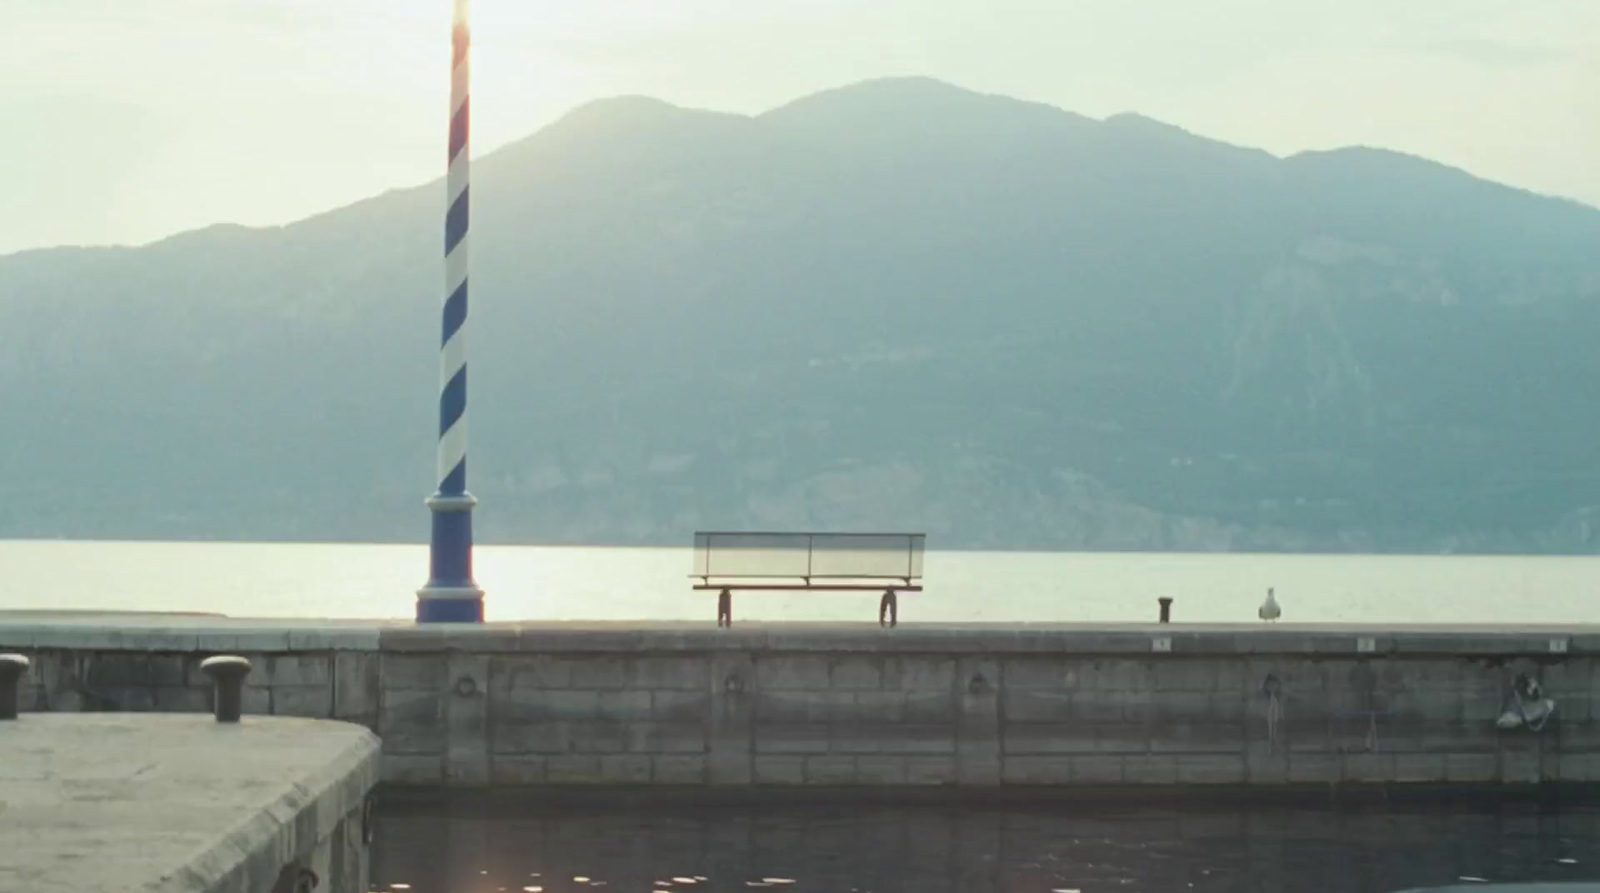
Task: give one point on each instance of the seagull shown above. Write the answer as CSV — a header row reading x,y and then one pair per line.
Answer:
x,y
1269,609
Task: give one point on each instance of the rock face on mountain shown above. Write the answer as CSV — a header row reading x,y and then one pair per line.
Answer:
x,y
899,305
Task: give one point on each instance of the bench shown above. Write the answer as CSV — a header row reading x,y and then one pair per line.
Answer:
x,y
812,562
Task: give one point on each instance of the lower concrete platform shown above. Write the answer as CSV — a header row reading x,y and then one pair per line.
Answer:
x,y
178,802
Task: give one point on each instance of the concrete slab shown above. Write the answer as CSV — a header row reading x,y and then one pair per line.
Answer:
x,y
156,802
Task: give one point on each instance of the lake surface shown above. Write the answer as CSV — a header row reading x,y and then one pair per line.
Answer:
x,y
859,846
524,582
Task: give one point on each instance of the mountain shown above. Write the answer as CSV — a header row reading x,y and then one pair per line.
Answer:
x,y
897,305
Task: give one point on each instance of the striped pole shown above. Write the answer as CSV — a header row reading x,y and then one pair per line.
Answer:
x,y
451,596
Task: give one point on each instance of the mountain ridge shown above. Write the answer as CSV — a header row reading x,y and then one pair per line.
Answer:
x,y
1010,326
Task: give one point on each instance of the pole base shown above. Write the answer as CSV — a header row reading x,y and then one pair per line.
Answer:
x,y
451,595
449,604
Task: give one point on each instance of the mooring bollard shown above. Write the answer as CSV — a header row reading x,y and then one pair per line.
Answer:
x,y
12,668
1166,609
227,672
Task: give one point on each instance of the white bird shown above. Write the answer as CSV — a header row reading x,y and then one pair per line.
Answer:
x,y
1269,609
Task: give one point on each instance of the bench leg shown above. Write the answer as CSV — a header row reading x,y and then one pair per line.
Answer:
x,y
889,609
725,608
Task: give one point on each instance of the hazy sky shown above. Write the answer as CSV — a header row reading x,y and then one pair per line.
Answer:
x,y
127,120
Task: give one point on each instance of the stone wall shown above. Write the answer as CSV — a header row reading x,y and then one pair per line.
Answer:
x,y
510,704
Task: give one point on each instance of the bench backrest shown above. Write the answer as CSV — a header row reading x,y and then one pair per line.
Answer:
x,y
815,556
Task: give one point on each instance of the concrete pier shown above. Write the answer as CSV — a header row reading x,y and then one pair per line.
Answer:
x,y
180,803
802,705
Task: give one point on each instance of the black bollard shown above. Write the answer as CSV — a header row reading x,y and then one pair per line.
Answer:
x,y
12,668
227,674
1166,609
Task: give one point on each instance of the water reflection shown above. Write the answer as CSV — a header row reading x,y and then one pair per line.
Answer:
x,y
657,842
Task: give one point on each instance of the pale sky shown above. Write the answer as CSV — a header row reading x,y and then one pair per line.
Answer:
x,y
122,121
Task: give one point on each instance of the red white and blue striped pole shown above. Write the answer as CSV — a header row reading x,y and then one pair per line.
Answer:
x,y
451,596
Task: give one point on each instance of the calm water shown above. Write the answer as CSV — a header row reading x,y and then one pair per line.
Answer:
x,y
271,579
634,846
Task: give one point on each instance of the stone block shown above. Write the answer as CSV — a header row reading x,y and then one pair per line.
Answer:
x,y
919,674
1197,738
1174,706
528,737
412,722
680,706
255,701
120,671
1232,676
687,672
355,685
778,770
831,706
830,770
598,736
168,670
789,672
930,770
1136,706
624,706
1306,734
1176,674
1041,705
1420,768
311,701
297,670
1266,765
854,738
918,738
1467,738
1042,674
1050,738
1113,674
1574,707
1035,770
1579,767
1096,770
878,707
172,699
791,738
1322,768
529,672
600,672
406,769
557,705
413,672
666,738
1471,768
929,707
573,769
1211,769
880,770
679,770
1574,737
634,769
856,673
1427,676
1150,769
515,770
783,707
1369,767
1520,768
